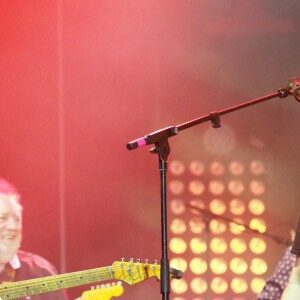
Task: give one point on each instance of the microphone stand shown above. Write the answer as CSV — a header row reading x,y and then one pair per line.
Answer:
x,y
160,140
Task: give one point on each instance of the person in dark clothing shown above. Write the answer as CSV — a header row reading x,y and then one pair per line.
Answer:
x,y
292,290
15,264
276,283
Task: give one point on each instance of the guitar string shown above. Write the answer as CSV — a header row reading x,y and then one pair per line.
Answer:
x,y
71,280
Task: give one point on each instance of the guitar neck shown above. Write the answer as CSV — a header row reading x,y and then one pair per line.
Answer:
x,y
129,272
53,283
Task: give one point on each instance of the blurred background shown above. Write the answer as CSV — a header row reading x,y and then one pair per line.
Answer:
x,y
80,79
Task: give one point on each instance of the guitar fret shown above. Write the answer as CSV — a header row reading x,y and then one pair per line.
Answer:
x,y
67,282
50,284
72,280
43,287
6,296
94,276
110,272
60,284
98,274
29,289
77,281
82,278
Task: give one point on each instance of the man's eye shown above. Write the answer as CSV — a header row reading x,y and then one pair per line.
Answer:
x,y
17,218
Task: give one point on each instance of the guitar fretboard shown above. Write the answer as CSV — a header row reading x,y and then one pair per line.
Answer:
x,y
30,287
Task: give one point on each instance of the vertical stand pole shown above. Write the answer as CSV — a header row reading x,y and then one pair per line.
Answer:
x,y
163,150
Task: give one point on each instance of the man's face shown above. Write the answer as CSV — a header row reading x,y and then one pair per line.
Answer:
x,y
10,227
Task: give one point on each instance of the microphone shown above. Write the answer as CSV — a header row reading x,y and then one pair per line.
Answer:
x,y
293,85
153,137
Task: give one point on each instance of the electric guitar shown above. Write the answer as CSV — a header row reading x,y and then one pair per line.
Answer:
x,y
129,272
104,292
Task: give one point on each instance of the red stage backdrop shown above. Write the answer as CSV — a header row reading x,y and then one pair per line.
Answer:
x,y
79,79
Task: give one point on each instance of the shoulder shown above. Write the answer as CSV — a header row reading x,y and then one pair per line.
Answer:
x,y
36,263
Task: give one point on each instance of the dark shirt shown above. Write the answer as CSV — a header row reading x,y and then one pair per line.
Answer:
x,y
275,285
32,266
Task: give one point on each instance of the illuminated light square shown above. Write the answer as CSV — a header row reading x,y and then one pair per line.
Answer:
x,y
217,168
257,245
257,187
177,167
196,187
176,186
198,245
179,286
178,226
198,285
239,285
216,187
197,225
218,265
237,207
238,245
198,265
236,168
179,263
218,245
217,206
236,187
177,206
256,206
177,245
197,168
238,265
219,285
257,167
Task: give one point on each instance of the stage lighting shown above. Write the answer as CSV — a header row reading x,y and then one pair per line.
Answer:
x,y
211,241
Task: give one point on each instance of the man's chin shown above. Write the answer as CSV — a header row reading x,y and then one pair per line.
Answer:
x,y
7,253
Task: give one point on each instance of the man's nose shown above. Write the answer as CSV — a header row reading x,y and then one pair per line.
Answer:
x,y
13,223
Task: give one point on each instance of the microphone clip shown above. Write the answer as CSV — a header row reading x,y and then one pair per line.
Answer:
x,y
215,119
284,92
